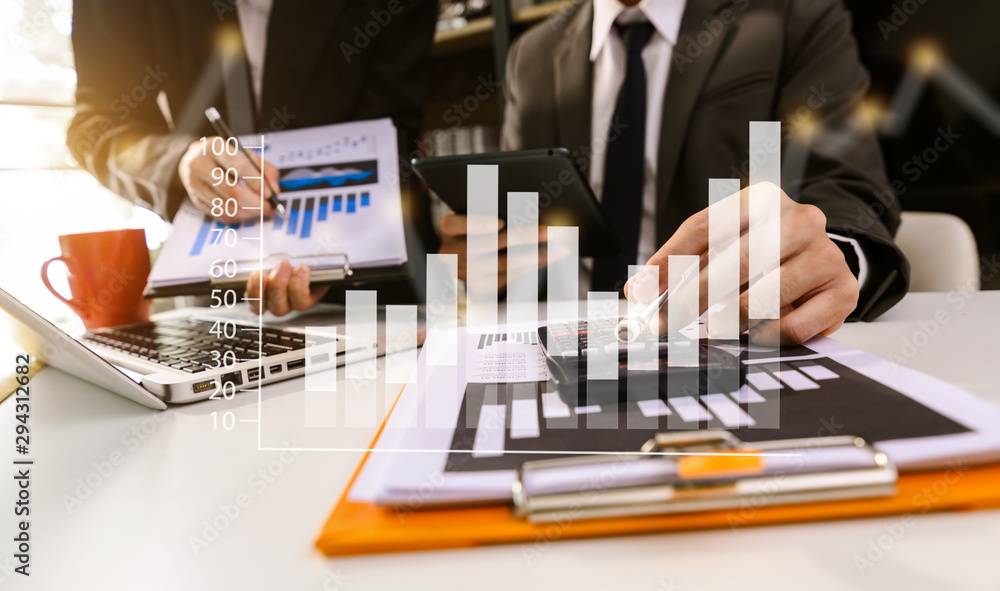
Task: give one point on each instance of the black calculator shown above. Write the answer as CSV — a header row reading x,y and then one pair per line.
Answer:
x,y
573,343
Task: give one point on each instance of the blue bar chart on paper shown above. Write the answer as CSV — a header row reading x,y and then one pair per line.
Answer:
x,y
339,185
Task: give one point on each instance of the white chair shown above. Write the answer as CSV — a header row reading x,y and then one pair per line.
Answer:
x,y
942,252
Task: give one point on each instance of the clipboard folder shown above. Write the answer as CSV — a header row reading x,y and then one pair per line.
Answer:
x,y
675,475
702,494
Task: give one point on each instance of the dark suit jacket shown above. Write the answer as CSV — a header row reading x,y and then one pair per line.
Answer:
x,y
735,62
327,61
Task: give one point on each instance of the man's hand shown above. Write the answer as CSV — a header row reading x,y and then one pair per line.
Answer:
x,y
207,179
816,288
453,229
284,288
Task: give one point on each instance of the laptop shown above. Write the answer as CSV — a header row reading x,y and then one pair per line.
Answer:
x,y
183,355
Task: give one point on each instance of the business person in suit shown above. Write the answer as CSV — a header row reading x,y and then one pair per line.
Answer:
x,y
148,69
655,99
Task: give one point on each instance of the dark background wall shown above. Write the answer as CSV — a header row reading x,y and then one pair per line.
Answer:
x,y
965,180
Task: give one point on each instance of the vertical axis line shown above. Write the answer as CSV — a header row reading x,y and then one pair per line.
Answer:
x,y
260,303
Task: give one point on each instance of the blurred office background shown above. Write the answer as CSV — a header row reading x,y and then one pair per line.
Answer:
x,y
40,181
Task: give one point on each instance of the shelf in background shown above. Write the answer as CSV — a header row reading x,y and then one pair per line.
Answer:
x,y
478,33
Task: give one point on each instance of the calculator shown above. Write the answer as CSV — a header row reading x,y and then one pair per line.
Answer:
x,y
573,343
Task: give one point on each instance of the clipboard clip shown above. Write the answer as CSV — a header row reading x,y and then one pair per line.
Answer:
x,y
324,274
705,470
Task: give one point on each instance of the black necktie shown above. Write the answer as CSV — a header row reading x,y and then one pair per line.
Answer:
x,y
624,162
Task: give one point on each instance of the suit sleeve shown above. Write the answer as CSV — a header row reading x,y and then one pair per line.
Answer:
x,y
510,134
823,82
118,132
396,80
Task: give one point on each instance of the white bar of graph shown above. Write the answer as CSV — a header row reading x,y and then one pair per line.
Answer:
x,y
602,316
490,426
727,411
320,396
682,350
602,363
360,398
688,411
482,243
767,414
441,404
682,312
522,259
795,380
746,395
400,346
762,381
644,285
553,406
765,217
563,274
562,277
723,262
524,419
442,308
652,408
818,372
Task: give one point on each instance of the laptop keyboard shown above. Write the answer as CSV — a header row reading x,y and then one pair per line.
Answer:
x,y
186,344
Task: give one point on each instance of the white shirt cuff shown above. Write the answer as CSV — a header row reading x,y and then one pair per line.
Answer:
x,y
862,261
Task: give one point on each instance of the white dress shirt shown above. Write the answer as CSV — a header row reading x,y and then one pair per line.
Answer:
x,y
254,16
607,52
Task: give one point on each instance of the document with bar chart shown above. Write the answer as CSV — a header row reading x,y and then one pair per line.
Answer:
x,y
339,185
826,387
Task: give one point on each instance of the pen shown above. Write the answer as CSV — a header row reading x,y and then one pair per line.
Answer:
x,y
630,327
222,129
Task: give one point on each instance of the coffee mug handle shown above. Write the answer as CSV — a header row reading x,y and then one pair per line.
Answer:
x,y
80,310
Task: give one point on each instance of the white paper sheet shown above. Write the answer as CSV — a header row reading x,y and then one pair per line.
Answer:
x,y
399,475
340,188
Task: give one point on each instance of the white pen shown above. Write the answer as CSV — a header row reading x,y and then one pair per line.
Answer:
x,y
223,130
630,327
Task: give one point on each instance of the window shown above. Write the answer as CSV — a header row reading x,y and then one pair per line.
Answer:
x,y
44,192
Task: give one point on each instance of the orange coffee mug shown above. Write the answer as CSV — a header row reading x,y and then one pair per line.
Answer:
x,y
107,274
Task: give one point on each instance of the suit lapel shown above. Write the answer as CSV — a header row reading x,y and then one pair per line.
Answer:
x,y
296,34
688,72
573,79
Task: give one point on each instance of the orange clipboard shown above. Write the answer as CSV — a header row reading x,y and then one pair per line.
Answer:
x,y
361,528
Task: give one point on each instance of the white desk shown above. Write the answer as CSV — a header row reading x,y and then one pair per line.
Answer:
x,y
133,530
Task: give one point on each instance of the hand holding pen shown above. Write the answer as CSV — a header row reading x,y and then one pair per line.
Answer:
x,y
813,287
204,171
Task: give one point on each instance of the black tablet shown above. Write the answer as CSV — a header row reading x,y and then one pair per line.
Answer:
x,y
564,195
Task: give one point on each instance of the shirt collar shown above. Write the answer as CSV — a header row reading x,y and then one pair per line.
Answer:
x,y
664,14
